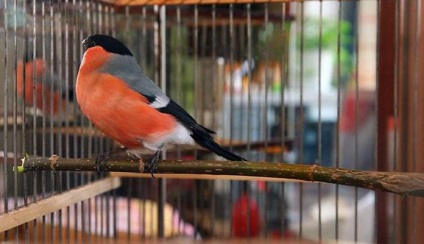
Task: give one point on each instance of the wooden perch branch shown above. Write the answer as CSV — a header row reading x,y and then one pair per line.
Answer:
x,y
395,182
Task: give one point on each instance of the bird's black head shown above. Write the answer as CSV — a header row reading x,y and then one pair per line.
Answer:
x,y
108,43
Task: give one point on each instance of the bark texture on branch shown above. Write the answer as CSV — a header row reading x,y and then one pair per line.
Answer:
x,y
395,182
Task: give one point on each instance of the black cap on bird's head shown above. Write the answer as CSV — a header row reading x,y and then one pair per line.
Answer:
x,y
108,43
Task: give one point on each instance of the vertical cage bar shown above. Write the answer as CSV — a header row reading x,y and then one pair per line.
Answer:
x,y
72,115
215,79
301,116
249,106
63,118
284,79
178,80
113,21
196,60
5,109
282,119
319,117
396,85
115,215
201,75
140,207
102,139
356,139
24,133
66,87
51,72
102,142
87,148
34,91
14,108
163,61
231,57
80,120
51,126
156,59
382,201
144,63
249,77
231,118
339,91
215,108
265,108
34,121
266,87
415,109
15,112
44,86
64,220
196,107
90,18
75,61
405,136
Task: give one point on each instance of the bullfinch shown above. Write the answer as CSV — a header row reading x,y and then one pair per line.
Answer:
x,y
34,74
121,101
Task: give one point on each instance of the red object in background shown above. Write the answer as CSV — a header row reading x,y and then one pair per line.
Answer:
x,y
365,108
239,218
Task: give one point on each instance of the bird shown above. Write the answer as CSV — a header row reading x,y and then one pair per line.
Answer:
x,y
33,78
115,94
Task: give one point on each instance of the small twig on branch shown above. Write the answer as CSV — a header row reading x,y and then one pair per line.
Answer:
x,y
395,182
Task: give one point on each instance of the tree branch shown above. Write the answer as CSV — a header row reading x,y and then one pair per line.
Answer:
x,y
394,182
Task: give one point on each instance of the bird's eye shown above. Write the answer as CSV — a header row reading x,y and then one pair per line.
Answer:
x,y
87,43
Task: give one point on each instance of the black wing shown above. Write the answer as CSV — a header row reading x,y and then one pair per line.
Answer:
x,y
200,134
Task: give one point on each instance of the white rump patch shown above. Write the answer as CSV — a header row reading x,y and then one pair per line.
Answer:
x,y
179,136
160,102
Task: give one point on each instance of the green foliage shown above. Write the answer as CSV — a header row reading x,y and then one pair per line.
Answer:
x,y
331,31
267,33
268,40
271,39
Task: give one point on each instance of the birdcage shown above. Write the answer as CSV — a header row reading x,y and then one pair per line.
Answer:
x,y
320,83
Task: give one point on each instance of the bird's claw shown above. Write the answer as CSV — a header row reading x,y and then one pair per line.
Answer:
x,y
101,162
152,164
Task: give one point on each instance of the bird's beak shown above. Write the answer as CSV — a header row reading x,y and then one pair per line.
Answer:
x,y
87,43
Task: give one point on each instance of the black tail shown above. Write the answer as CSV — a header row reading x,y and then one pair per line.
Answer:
x,y
206,141
201,135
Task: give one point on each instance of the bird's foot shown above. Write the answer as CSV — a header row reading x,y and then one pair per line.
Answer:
x,y
152,164
101,161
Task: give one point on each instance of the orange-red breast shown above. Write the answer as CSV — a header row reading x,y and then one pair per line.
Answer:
x,y
125,104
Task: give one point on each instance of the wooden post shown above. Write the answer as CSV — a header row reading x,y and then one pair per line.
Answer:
x,y
385,105
410,216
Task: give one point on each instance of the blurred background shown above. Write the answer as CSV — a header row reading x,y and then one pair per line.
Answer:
x,y
334,83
